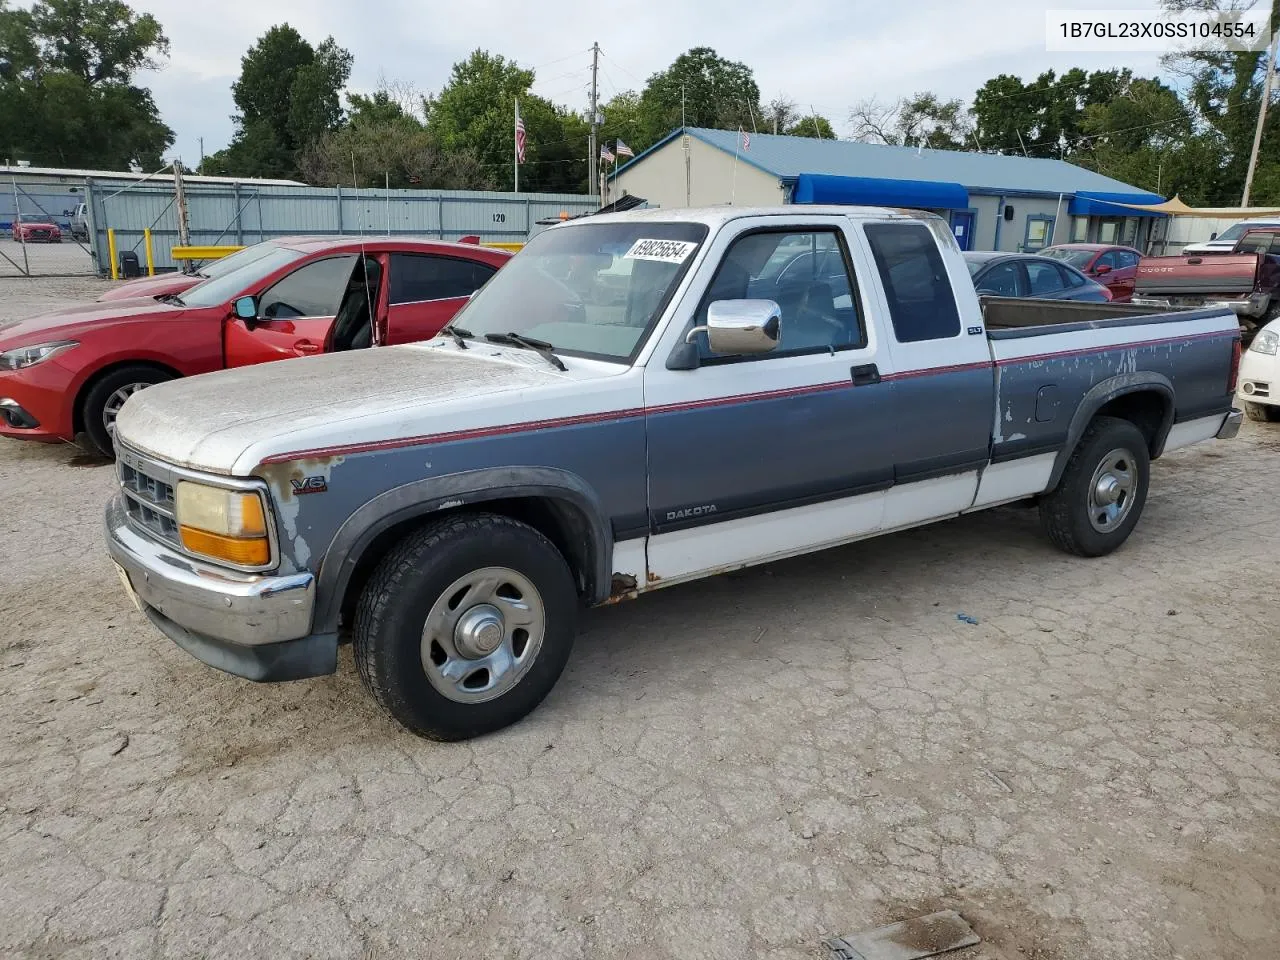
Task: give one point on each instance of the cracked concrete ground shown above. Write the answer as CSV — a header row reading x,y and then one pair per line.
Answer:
x,y
729,769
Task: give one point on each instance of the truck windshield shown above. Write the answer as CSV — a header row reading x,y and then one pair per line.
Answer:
x,y
225,288
593,290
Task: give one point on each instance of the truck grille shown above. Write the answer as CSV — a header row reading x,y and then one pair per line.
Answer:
x,y
148,495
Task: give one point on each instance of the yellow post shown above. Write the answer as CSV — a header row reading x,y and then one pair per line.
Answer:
x,y
111,252
151,260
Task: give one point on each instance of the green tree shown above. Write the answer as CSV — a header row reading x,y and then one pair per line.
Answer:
x,y
923,119
814,125
474,113
705,90
69,99
289,95
385,140
1224,89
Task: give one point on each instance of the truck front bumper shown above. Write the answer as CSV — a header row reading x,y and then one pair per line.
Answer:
x,y
251,625
1231,425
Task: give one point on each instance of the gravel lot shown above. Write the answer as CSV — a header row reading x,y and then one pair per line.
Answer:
x,y
729,769
48,260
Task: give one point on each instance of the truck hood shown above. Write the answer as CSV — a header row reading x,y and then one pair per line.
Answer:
x,y
65,324
387,393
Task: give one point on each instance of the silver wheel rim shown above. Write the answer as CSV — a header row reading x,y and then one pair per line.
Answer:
x,y
1112,490
111,409
483,634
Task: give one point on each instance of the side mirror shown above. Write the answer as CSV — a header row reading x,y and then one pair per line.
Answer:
x,y
741,326
1101,269
245,308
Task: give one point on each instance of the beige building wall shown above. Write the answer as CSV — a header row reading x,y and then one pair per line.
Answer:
x,y
713,181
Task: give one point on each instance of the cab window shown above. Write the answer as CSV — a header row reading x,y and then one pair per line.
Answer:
x,y
806,272
922,304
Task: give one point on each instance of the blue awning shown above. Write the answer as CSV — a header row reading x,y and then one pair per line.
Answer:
x,y
1089,204
877,192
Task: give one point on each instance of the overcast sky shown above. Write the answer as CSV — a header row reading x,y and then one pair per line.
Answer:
x,y
824,53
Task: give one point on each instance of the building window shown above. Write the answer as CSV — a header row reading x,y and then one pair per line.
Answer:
x,y
1039,232
1079,229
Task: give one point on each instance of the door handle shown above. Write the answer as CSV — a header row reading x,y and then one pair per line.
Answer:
x,y
865,375
306,346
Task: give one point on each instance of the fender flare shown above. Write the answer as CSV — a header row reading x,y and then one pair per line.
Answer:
x,y
1102,393
421,498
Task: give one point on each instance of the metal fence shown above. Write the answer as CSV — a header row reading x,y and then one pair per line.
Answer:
x,y
245,213
40,200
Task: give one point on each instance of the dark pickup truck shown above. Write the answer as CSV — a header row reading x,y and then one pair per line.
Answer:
x,y
1246,279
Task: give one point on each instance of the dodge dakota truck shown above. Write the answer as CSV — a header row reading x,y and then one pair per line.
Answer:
x,y
635,400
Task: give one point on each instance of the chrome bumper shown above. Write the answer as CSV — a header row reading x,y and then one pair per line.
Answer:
x,y
1231,426
215,603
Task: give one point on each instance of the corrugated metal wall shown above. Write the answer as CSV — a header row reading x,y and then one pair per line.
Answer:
x,y
245,213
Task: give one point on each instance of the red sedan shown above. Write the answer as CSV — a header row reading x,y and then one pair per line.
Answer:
x,y
35,231
1113,267
65,375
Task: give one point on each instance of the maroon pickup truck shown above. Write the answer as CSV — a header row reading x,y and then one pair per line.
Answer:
x,y
1246,279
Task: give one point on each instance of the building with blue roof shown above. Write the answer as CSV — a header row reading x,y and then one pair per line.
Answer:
x,y
993,201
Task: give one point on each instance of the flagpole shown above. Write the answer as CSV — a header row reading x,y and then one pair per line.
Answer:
x,y
515,146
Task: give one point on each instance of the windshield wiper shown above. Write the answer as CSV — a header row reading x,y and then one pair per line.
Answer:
x,y
457,333
540,347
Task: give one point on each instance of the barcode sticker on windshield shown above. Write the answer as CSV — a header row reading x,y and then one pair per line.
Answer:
x,y
667,251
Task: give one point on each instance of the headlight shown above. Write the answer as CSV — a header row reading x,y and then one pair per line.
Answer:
x,y
1266,342
228,525
27,356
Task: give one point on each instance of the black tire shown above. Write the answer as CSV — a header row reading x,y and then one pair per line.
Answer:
x,y
93,408
1262,412
1065,512
406,587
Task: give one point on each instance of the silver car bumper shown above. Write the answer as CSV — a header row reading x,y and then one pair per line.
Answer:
x,y
252,625
1231,426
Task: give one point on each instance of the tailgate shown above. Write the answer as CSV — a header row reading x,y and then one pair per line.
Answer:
x,y
1208,273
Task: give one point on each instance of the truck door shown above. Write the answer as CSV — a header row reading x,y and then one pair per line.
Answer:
x,y
944,386
294,314
764,455
426,291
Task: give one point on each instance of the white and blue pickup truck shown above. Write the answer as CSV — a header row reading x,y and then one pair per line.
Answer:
x,y
634,401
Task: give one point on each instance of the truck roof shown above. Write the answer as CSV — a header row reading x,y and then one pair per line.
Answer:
x,y
716,216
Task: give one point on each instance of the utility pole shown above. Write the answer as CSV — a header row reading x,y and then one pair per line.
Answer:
x,y
595,121
180,197
684,140
1262,116
200,168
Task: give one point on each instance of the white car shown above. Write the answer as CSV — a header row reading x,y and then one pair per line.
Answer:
x,y
1225,241
1260,375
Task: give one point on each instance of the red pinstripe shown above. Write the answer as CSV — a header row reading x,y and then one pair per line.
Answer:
x,y
525,426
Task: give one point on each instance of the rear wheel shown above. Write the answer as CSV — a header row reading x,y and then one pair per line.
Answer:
x,y
102,403
465,626
1262,412
1100,497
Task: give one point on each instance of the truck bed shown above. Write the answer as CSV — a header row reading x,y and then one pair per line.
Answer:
x,y
1007,313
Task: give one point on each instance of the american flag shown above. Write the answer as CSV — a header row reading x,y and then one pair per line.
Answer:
x,y
605,152
623,150
746,141
519,136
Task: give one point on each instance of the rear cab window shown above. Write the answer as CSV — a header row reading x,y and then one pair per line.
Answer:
x,y
417,278
922,303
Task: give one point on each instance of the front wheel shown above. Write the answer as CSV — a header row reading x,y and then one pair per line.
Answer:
x,y
1262,412
1103,489
101,405
465,626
